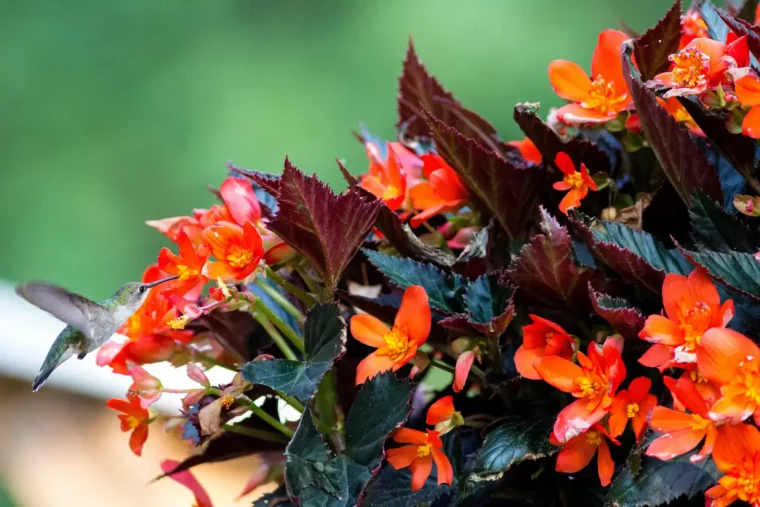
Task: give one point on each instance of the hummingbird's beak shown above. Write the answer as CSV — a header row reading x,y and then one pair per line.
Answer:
x,y
167,279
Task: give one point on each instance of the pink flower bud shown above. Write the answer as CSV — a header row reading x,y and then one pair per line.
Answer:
x,y
196,374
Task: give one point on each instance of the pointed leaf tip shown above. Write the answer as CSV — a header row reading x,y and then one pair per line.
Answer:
x,y
656,44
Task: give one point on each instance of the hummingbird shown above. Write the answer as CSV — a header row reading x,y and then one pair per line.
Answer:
x,y
89,324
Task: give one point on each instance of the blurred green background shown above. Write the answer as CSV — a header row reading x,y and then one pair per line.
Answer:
x,y
115,112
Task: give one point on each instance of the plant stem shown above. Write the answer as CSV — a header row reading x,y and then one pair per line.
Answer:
x,y
290,400
290,287
279,324
281,300
308,281
210,360
274,423
275,335
443,366
254,433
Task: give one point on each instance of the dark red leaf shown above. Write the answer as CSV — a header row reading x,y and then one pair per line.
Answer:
x,y
269,182
653,48
546,269
747,11
549,143
326,228
419,91
490,306
506,189
682,161
624,318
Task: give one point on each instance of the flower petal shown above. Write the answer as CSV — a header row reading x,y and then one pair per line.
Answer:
x,y
558,372
576,418
605,465
187,479
524,359
368,329
657,355
734,444
138,438
607,61
421,468
402,457
569,80
751,123
666,420
575,455
660,329
719,353
748,90
638,388
564,163
440,411
462,370
423,196
674,444
572,199
442,463
241,200
371,366
414,314
410,436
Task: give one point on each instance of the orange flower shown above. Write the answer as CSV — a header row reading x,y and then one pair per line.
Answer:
x,y
386,180
171,227
442,415
594,101
577,453
731,361
594,383
541,338
702,64
692,306
748,91
737,454
397,346
692,27
442,192
635,404
238,250
187,479
674,107
528,150
133,418
576,182
419,455
188,265
682,431
241,201
215,214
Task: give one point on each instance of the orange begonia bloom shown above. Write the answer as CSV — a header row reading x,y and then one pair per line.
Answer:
x,y
541,338
238,250
682,431
594,383
171,227
442,415
188,265
748,91
634,403
731,361
736,454
576,182
577,453
386,179
187,479
674,107
692,27
692,306
133,418
397,346
528,150
598,98
442,192
419,455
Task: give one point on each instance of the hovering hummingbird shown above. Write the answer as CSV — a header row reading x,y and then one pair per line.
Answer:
x,y
90,324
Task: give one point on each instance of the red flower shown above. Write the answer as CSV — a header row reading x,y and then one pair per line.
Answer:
x,y
692,306
442,415
397,346
748,91
238,250
594,101
541,338
737,454
682,431
386,179
147,387
528,150
242,203
423,450
577,453
594,383
442,192
692,27
188,265
187,479
171,227
576,182
133,418
634,403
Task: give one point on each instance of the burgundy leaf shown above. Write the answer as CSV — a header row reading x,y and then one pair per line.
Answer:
x,y
549,142
682,161
546,269
326,228
624,318
490,306
269,182
506,189
747,10
653,48
419,91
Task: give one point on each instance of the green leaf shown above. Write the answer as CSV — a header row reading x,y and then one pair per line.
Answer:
x,y
513,441
277,498
489,306
392,489
381,406
717,230
661,482
324,340
738,270
444,291
624,318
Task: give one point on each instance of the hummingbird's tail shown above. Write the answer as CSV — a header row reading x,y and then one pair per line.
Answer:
x,y
58,353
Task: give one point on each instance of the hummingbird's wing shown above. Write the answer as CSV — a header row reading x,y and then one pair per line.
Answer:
x,y
73,309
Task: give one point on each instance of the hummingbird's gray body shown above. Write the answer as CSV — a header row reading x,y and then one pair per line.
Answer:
x,y
90,324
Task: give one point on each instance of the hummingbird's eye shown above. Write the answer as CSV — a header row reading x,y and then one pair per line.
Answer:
x,y
142,289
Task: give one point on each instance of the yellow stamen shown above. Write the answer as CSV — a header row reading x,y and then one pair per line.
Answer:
x,y
587,386
397,342
133,422
227,400
593,438
699,423
185,272
179,323
632,409
391,192
575,179
424,450
696,377
691,68
603,98
239,257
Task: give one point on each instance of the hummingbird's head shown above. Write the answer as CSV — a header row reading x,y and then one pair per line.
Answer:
x,y
132,295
